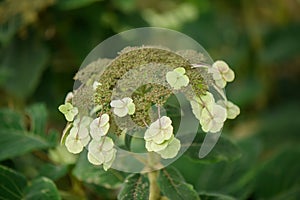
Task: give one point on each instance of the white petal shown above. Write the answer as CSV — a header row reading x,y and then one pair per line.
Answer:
x,y
149,145
164,121
92,159
107,144
232,110
229,75
196,108
107,164
131,108
220,83
216,127
219,113
180,70
127,100
73,144
69,97
221,65
171,150
158,147
85,141
120,112
104,119
117,104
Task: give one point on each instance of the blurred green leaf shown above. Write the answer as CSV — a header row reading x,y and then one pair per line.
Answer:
x,y
26,60
173,185
135,187
215,196
15,143
89,173
13,185
53,172
15,140
281,44
279,174
71,4
41,188
224,150
230,178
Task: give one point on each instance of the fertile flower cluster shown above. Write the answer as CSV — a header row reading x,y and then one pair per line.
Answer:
x,y
160,139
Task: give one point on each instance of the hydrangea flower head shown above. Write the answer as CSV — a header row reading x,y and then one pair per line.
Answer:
x,y
177,78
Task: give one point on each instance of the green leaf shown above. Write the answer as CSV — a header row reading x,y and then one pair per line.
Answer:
x,y
215,196
13,185
71,4
279,174
38,117
89,173
11,120
173,185
26,61
15,140
135,187
224,150
53,172
15,143
236,178
41,188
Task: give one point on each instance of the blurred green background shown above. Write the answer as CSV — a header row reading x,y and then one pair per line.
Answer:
x,y
42,45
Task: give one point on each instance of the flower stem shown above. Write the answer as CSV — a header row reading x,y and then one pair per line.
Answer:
x,y
154,193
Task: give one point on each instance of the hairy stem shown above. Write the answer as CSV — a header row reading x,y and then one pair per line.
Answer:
x,y
154,189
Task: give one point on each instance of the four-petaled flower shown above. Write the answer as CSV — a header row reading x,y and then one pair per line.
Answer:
x,y
69,111
200,103
160,139
213,118
221,73
177,78
122,107
99,127
102,152
232,110
77,139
